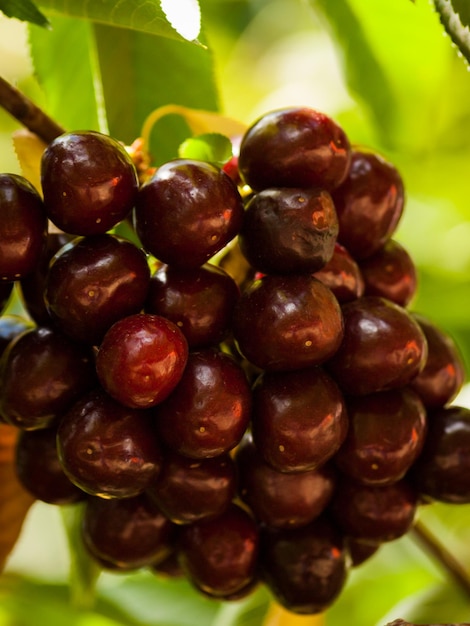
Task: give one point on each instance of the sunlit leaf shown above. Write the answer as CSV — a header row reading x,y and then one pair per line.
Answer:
x,y
143,15
184,16
24,10
249,611
278,616
211,147
71,87
14,500
457,29
29,149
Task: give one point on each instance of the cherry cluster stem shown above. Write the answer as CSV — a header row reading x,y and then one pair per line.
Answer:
x,y
28,113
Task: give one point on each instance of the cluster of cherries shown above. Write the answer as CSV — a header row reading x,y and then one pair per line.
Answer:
x,y
236,392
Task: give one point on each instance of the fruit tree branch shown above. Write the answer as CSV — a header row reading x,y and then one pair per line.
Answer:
x,y
28,113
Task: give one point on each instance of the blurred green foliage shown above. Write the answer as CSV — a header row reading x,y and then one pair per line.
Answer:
x,y
391,77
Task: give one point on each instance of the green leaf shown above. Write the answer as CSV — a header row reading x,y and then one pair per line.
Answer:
x,y
72,93
24,10
140,73
210,147
457,30
142,15
462,7
250,611
365,75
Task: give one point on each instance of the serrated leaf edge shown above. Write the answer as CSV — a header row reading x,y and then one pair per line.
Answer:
x,y
459,34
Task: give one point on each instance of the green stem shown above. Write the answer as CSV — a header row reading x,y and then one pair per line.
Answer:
x,y
28,113
443,557
84,572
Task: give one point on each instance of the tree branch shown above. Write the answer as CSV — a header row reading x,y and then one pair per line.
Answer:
x,y
28,113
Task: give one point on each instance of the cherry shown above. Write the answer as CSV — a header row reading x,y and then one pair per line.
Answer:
x,y
386,434
93,282
141,360
89,182
187,212
43,372
289,230
342,275
209,410
383,347
219,555
369,204
287,322
299,419
126,532
107,449
187,490
23,227
305,568
199,301
294,147
11,326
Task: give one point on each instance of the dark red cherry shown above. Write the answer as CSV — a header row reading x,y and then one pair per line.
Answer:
x,y
342,275
294,147
93,282
444,372
360,550
187,490
107,449
89,182
32,286
442,470
383,347
287,322
199,301
374,513
23,227
304,568
187,211
141,360
385,436
390,273
289,230
278,499
369,204
39,470
43,372
209,410
299,419
219,555
126,532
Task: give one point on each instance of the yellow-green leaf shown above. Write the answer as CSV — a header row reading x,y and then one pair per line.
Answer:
x,y
29,149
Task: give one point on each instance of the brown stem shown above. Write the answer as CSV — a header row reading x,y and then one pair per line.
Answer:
x,y
442,556
27,113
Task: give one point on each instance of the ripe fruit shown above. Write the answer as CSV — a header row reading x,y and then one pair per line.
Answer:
x,y
89,182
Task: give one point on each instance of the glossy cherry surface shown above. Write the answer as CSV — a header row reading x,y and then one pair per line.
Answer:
x,y
39,470
386,434
377,513
23,227
199,301
141,359
304,568
89,182
442,470
43,372
219,555
342,275
444,373
369,204
107,449
281,500
187,490
209,410
299,419
289,230
390,273
93,282
127,532
294,147
383,347
187,211
287,322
